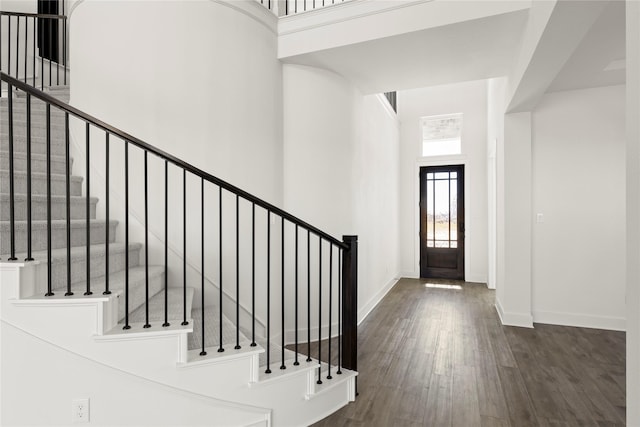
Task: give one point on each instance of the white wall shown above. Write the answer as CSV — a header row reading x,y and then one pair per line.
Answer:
x,y
469,98
578,252
495,138
197,79
51,377
341,170
633,210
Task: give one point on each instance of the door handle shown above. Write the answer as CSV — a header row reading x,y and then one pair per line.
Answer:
x,y
462,227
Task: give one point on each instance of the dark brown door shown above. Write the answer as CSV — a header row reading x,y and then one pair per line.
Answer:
x,y
442,222
48,29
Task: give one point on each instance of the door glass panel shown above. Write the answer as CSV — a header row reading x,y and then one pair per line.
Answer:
x,y
442,175
441,202
454,209
442,209
430,217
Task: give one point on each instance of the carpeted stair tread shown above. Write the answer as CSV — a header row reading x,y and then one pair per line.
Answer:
x,y
175,304
77,205
137,282
212,330
60,255
39,183
38,162
78,234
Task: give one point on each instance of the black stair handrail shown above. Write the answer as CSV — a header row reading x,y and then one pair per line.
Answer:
x,y
341,286
170,158
33,15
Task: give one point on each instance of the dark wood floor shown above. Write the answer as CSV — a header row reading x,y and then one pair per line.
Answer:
x,y
440,357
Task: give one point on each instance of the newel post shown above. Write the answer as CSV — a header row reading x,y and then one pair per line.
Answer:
x,y
350,304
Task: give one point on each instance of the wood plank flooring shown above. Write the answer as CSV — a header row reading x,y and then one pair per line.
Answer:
x,y
440,357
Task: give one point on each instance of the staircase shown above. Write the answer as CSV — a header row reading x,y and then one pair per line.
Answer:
x,y
237,382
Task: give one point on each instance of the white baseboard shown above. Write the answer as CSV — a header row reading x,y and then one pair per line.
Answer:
x,y
580,320
373,302
475,279
523,320
410,274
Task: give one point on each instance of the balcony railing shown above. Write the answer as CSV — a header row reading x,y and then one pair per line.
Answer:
x,y
293,7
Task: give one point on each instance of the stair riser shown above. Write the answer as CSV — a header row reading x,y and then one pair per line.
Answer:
x,y
39,209
58,236
137,294
79,268
38,163
39,184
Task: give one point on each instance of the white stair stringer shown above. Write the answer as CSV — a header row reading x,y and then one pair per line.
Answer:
x,y
88,326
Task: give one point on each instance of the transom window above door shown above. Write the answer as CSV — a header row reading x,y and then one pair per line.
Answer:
x,y
441,135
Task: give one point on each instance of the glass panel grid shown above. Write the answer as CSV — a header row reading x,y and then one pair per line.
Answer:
x,y
442,210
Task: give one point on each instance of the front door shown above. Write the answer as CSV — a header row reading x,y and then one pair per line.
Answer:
x,y
442,222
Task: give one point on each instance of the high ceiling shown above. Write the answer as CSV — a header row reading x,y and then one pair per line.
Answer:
x,y
471,50
599,59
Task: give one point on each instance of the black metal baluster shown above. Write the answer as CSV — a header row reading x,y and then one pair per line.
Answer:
x,y
12,218
296,363
282,366
146,243
221,348
68,201
319,311
237,347
330,283
57,21
126,236
339,371
33,66
253,275
204,346
106,208
308,296
268,370
88,208
184,248
17,46
49,272
41,51
29,257
26,46
1,47
64,47
50,48
166,244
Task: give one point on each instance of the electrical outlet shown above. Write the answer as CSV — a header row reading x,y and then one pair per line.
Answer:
x,y
80,411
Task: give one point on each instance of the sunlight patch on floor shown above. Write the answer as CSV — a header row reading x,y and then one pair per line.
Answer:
x,y
442,286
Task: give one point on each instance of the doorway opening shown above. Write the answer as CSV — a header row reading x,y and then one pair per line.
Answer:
x,y
442,222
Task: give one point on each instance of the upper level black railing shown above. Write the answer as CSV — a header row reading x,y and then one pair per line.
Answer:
x,y
336,272
33,38
292,7
392,97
